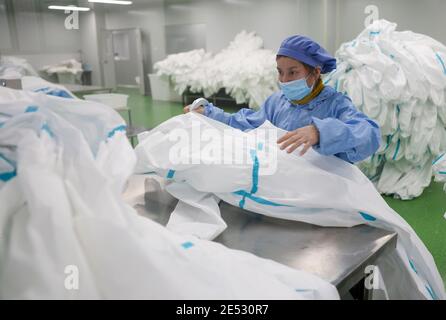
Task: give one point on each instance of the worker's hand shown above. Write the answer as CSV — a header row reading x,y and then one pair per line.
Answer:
x,y
199,109
307,136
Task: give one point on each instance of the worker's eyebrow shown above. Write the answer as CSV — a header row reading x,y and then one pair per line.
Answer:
x,y
290,68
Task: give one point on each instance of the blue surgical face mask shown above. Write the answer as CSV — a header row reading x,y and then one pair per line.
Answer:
x,y
296,89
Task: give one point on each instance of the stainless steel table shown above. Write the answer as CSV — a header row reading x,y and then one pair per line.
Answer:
x,y
338,255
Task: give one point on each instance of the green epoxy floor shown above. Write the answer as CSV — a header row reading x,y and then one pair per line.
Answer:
x,y
425,214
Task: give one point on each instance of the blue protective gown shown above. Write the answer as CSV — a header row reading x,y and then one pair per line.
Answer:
x,y
343,131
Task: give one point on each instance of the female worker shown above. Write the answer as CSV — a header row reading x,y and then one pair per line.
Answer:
x,y
315,115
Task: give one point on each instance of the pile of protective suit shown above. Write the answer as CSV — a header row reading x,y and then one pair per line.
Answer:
x,y
66,233
14,68
67,66
185,71
399,80
208,161
245,70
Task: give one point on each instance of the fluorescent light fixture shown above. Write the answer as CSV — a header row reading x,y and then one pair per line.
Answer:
x,y
69,8
112,1
239,2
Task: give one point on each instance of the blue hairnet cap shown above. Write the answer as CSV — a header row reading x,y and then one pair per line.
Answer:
x,y
305,50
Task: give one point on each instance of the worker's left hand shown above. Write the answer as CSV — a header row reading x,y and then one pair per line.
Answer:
x,y
307,136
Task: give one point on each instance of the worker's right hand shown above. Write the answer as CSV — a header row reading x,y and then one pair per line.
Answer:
x,y
199,109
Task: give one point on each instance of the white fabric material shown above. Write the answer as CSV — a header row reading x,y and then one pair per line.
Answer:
x,y
64,207
316,189
31,83
399,80
14,68
439,166
244,69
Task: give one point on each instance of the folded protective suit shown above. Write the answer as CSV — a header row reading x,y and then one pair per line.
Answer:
x,y
199,155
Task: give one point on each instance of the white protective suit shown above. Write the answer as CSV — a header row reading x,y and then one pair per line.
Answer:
x,y
196,153
399,80
439,166
66,233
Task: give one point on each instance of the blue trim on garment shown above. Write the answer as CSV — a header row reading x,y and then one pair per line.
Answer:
x,y
302,290
31,109
431,291
412,265
396,150
46,128
54,92
187,245
441,61
387,143
367,216
5,176
255,183
118,128
260,146
7,160
255,171
260,200
170,174
438,159
376,176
